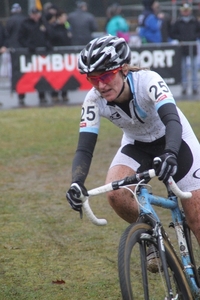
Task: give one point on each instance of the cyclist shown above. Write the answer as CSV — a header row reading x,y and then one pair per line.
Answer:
x,y
142,105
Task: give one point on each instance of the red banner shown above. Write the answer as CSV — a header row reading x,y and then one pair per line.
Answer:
x,y
46,72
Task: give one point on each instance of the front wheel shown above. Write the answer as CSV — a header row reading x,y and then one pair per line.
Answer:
x,y
136,281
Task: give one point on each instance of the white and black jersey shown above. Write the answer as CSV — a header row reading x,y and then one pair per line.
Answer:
x,y
151,124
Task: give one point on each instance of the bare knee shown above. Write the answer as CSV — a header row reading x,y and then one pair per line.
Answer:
x,y
122,201
124,204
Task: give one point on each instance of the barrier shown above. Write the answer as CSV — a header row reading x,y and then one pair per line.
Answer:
x,y
57,69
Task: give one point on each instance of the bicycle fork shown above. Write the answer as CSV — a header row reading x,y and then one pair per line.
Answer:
x,y
161,248
186,259
157,238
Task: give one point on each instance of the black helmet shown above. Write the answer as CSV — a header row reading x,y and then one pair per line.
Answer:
x,y
104,54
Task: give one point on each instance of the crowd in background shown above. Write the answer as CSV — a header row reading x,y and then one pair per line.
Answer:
x,y
54,27
157,27
51,27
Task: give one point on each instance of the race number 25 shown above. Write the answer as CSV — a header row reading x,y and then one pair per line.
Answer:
x,y
88,113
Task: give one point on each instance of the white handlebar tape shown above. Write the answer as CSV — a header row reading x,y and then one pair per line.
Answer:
x,y
175,189
90,215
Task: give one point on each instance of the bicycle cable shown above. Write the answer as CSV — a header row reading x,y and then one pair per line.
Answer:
x,y
134,193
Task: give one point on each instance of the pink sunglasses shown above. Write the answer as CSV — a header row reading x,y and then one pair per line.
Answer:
x,y
104,78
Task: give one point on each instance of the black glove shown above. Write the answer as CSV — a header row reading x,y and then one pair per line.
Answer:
x,y
165,166
74,196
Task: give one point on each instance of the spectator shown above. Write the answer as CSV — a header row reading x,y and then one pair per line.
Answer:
x,y
50,8
12,27
32,34
187,29
50,12
116,24
82,23
60,36
150,22
51,20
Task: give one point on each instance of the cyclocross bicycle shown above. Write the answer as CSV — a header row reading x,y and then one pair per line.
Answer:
x,y
176,275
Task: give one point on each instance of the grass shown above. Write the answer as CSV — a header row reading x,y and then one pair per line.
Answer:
x,y
47,252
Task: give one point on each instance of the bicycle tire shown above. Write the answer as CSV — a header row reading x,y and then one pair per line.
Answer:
x,y
131,280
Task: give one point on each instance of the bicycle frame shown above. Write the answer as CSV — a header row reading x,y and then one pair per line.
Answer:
x,y
146,200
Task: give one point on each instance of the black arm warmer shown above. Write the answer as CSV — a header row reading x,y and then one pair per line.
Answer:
x,y
83,156
173,134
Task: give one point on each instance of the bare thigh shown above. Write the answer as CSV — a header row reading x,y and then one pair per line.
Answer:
x,y
122,201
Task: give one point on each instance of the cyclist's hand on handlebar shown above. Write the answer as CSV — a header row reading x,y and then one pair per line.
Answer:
x,y
165,166
74,194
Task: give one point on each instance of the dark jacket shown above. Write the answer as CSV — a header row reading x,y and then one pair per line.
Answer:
x,y
186,31
12,30
33,34
60,35
2,35
82,25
